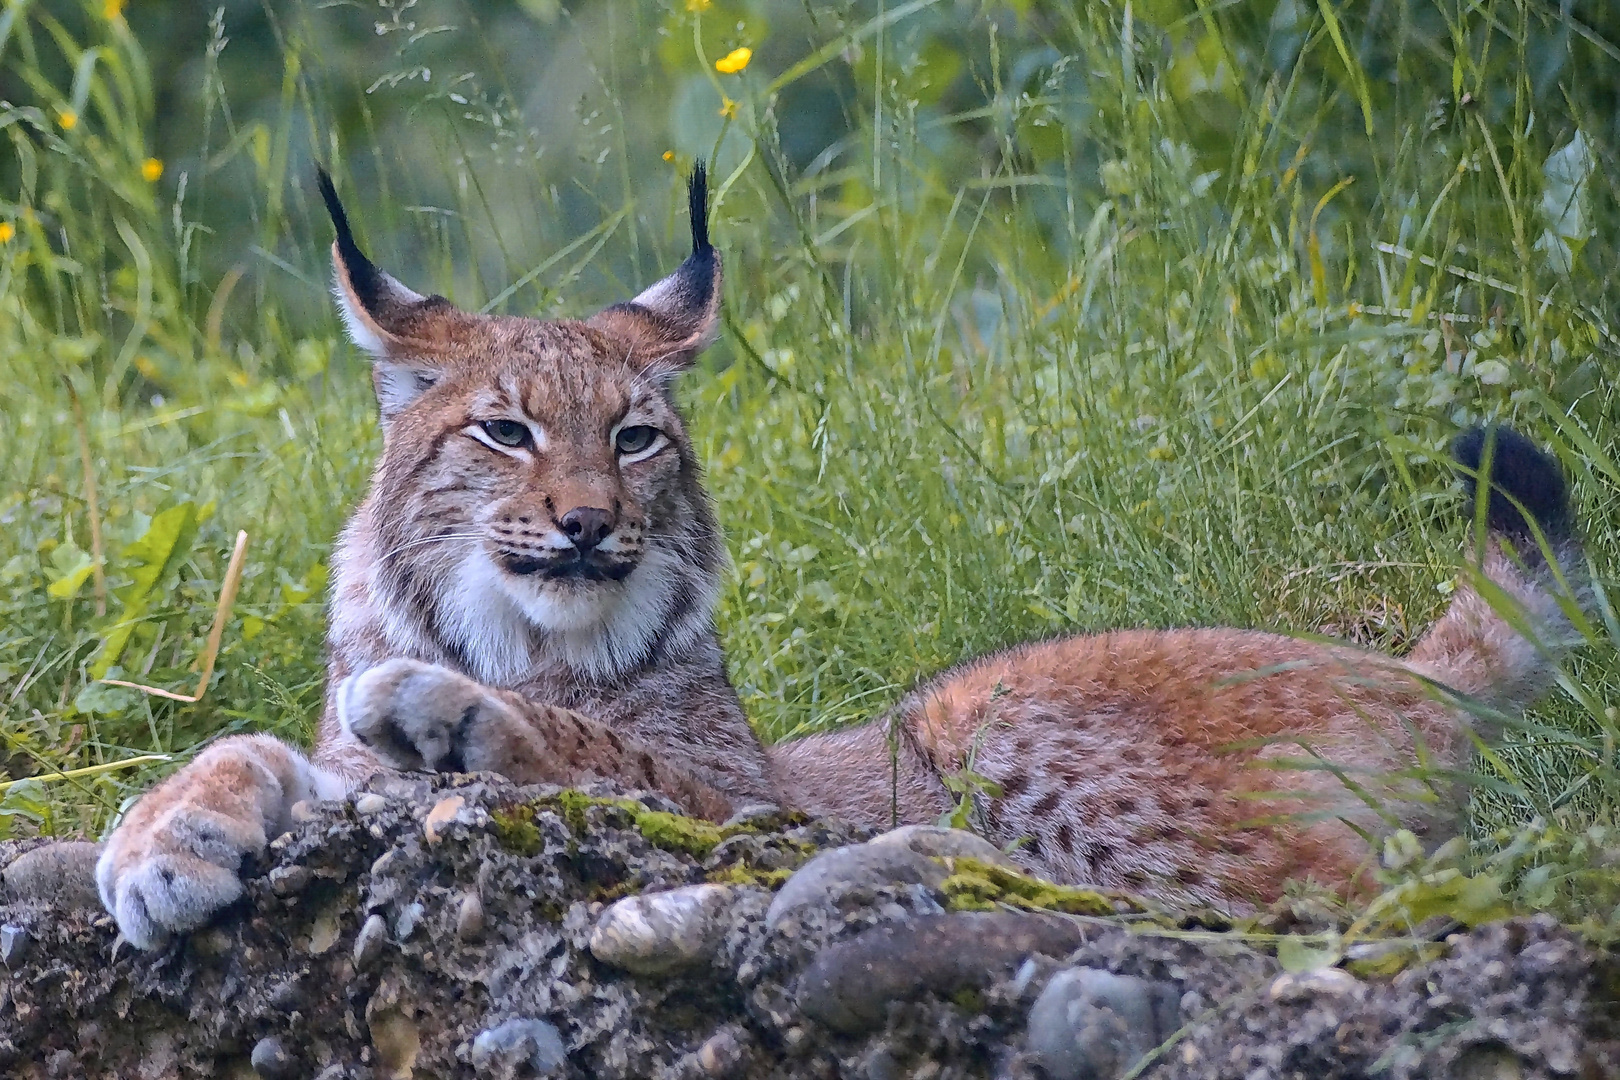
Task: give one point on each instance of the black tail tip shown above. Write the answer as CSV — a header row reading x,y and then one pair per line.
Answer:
x,y
697,204
1520,472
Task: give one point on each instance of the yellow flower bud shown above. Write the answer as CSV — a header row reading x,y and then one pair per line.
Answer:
x,y
734,61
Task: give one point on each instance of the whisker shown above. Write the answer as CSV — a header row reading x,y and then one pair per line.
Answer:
x,y
446,537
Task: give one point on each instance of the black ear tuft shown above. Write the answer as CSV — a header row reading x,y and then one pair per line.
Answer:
x,y
1520,469
697,204
364,277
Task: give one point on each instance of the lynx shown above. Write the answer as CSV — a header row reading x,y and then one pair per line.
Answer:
x,y
528,589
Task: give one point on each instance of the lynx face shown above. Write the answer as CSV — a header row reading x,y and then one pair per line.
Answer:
x,y
537,499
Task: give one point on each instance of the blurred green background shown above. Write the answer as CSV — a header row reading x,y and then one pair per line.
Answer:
x,y
1039,318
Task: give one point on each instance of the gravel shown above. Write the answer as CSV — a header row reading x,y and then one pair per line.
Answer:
x,y
404,934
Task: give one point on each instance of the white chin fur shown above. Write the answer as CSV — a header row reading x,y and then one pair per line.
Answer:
x,y
507,626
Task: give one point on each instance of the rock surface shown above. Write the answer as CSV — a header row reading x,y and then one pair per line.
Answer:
x,y
405,935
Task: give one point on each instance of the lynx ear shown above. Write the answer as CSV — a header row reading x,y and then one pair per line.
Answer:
x,y
403,330
677,318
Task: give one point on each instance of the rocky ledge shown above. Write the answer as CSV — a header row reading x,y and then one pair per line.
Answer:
x,y
463,927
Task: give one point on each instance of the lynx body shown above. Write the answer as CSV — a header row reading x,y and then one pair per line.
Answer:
x,y
528,589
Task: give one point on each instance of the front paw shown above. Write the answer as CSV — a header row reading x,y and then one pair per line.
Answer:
x,y
413,715
170,867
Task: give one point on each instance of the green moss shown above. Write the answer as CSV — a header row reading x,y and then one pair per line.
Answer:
x,y
969,1000
738,874
673,832
573,804
515,829
517,832
978,886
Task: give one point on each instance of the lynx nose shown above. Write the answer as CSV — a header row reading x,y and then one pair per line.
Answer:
x,y
587,526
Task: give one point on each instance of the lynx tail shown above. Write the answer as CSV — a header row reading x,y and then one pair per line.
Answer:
x,y
1504,653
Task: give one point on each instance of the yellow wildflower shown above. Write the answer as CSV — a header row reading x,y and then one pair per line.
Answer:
x,y
112,9
7,231
151,169
68,119
695,6
144,365
669,155
734,61
728,108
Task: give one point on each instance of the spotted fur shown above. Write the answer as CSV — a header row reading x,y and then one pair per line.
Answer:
x,y
528,588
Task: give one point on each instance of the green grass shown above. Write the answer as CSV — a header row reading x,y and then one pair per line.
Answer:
x,y
1075,329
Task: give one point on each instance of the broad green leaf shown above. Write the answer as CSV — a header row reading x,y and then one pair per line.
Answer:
x,y
148,561
102,700
1563,203
160,549
70,569
1299,954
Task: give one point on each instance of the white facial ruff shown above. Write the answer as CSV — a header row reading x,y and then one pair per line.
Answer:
x,y
597,629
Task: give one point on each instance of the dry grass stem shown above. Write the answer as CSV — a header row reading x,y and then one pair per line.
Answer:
x,y
227,597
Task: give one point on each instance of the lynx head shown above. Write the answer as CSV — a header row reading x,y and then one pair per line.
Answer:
x,y
537,502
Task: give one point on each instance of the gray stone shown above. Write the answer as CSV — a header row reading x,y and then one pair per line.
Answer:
x,y
369,942
1318,982
727,1053
942,843
272,1060
409,919
753,814
370,803
833,873
657,933
14,942
521,1046
850,985
470,917
289,880
1090,1024
60,874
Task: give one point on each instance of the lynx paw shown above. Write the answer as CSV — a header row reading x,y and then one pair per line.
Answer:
x,y
169,869
418,716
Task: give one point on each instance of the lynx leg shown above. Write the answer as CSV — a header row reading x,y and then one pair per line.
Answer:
x,y
174,859
424,716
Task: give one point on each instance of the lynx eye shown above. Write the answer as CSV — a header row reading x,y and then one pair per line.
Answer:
x,y
633,440
507,432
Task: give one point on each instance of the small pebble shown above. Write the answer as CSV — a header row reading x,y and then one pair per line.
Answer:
x,y
443,813
754,814
272,1061
503,1050
301,811
470,917
1325,982
289,880
369,942
409,919
397,1042
14,942
725,1053
370,803
323,934
657,933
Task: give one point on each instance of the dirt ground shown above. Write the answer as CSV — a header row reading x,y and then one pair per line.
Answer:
x,y
408,935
